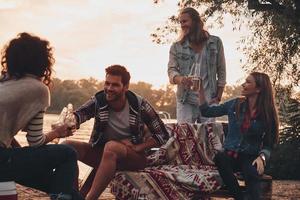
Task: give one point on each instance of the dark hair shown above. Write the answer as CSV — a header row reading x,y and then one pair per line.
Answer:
x,y
27,54
265,104
197,33
119,70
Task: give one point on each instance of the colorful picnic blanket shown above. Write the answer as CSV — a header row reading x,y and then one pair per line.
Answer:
x,y
179,169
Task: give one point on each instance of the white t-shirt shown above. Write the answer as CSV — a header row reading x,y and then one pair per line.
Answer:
x,y
118,124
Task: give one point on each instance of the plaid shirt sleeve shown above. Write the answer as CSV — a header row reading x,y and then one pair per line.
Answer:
x,y
85,112
154,123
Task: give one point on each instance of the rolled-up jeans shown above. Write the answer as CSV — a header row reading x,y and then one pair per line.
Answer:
x,y
49,168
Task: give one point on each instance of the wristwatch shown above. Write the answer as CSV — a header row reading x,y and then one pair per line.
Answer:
x,y
263,157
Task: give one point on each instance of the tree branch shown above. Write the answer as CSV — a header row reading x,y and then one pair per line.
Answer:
x,y
271,5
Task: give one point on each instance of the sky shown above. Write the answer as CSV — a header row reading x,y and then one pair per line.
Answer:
x,y
89,35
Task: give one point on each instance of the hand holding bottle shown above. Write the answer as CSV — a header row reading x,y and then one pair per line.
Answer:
x,y
66,120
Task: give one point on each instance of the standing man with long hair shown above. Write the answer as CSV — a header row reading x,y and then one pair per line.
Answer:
x,y
252,133
196,54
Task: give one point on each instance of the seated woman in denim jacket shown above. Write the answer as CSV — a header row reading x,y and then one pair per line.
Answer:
x,y
252,133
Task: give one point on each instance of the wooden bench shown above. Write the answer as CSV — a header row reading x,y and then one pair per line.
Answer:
x,y
266,188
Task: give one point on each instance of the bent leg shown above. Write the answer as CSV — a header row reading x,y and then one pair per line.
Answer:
x,y
87,154
224,164
115,156
90,156
251,177
50,168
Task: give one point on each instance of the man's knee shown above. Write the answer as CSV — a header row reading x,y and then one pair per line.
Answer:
x,y
114,148
68,142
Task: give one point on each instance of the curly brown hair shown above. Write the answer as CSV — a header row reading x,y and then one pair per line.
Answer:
x,y
28,54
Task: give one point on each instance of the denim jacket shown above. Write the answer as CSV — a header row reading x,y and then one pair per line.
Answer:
x,y
182,57
253,141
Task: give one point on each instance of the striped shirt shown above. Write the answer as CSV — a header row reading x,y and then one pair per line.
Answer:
x,y
35,136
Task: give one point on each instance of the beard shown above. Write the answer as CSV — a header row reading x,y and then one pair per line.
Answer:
x,y
112,96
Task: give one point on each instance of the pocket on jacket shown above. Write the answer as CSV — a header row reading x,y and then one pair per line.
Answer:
x,y
213,56
184,62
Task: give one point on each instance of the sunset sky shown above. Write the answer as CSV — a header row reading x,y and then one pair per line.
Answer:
x,y
89,35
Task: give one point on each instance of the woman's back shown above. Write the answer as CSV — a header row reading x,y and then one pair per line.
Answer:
x,y
20,101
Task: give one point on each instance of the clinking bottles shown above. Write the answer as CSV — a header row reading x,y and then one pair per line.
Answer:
x,y
66,117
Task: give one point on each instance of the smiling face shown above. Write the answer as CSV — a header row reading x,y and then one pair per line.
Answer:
x,y
249,87
186,23
114,88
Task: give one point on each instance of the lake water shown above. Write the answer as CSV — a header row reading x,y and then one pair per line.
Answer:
x,y
82,134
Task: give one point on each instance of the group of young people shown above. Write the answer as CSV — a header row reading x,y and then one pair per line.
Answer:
x,y
120,116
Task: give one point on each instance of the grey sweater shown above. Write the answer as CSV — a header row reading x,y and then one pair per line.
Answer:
x,y
20,101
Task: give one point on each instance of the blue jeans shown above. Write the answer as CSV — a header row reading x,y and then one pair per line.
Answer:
x,y
227,165
49,168
190,113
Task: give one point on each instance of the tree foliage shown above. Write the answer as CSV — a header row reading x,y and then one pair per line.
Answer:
x,y
272,45
79,91
285,162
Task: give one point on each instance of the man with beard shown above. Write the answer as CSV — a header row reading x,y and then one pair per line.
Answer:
x,y
117,141
196,56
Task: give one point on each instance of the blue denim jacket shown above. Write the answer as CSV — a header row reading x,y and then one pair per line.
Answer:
x,y
252,142
182,57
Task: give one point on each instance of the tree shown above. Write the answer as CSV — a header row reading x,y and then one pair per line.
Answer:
x,y
272,46
231,92
78,92
285,160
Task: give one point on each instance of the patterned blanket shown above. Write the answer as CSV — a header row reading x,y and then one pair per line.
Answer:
x,y
179,169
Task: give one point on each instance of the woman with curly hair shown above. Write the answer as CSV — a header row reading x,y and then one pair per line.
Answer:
x,y
26,74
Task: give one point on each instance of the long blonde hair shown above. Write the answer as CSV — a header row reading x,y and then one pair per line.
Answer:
x,y
197,33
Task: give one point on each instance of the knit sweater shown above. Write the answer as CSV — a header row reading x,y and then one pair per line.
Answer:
x,y
20,101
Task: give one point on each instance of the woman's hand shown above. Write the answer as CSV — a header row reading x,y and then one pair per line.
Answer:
x,y
63,131
259,165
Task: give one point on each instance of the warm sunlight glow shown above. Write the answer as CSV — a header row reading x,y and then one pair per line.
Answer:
x,y
90,35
